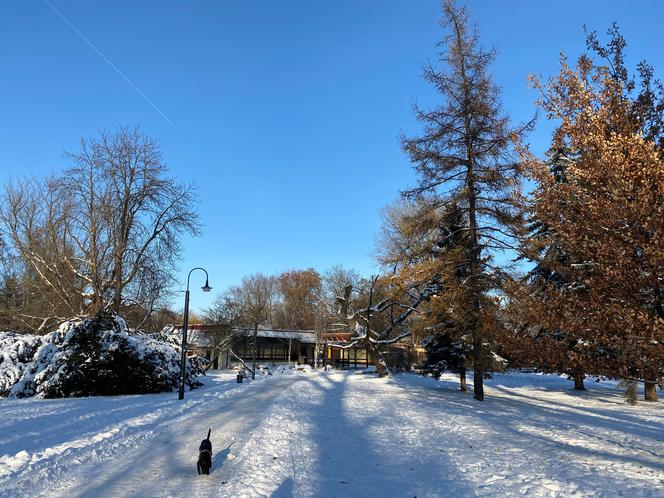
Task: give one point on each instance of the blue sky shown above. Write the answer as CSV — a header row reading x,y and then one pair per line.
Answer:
x,y
285,114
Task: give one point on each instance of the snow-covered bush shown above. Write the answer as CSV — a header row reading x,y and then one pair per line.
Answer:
x,y
91,356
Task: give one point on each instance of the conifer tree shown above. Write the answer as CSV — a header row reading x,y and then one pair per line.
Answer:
x,y
530,343
424,242
465,157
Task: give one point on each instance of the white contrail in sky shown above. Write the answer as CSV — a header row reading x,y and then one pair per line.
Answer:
x,y
115,68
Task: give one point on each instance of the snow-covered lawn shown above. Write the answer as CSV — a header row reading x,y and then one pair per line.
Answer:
x,y
338,434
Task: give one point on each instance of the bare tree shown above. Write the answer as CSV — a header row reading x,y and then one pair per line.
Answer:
x,y
335,282
13,294
132,217
226,308
107,232
298,291
379,316
36,220
252,302
258,296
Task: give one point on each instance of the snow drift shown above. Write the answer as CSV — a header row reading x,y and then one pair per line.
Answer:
x,y
92,356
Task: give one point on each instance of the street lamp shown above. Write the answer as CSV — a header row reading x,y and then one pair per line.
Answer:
x,y
183,361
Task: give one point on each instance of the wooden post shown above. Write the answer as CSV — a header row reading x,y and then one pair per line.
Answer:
x,y
325,354
290,346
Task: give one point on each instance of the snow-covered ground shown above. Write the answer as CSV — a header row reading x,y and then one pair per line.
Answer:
x,y
338,435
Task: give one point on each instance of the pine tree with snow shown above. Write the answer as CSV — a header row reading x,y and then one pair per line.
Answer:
x,y
425,242
92,356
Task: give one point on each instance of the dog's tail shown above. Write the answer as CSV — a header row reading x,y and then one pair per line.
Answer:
x,y
208,436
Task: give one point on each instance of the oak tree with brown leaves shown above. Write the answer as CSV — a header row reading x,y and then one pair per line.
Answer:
x,y
609,212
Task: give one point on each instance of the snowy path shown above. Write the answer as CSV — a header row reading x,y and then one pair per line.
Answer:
x,y
339,435
129,446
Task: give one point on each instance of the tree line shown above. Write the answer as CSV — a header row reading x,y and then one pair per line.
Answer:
x,y
493,255
291,300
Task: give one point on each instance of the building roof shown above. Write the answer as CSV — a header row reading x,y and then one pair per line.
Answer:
x,y
203,334
338,337
303,336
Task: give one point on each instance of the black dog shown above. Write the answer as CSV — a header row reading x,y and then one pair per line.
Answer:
x,y
205,455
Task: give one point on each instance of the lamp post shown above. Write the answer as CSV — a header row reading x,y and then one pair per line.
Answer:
x,y
185,322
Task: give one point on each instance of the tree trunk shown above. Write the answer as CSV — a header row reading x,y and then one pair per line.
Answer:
x,y
478,370
379,360
471,196
97,305
650,383
290,342
462,380
578,381
381,366
117,296
325,353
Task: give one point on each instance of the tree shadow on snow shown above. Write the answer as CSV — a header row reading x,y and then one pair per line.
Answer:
x,y
627,423
285,490
350,458
563,442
